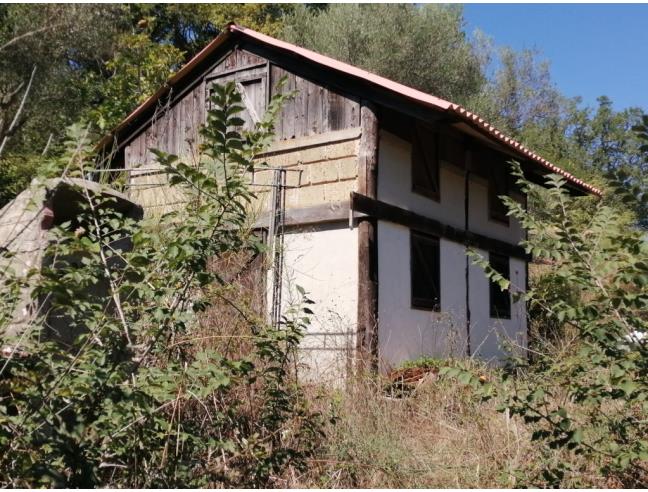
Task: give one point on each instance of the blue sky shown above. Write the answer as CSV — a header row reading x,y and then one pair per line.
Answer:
x,y
594,49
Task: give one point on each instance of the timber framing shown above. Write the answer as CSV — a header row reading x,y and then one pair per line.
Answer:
x,y
384,211
317,214
367,330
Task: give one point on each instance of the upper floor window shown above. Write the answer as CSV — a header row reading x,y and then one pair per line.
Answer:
x,y
425,271
498,185
500,300
425,163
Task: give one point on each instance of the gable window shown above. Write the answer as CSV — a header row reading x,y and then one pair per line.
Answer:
x,y
500,300
251,85
425,163
498,185
425,271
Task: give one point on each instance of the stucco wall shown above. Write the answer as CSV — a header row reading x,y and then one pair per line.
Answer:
x,y
395,183
406,333
479,220
324,261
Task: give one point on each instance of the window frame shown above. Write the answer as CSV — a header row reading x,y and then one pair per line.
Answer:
x,y
494,289
425,153
421,303
496,208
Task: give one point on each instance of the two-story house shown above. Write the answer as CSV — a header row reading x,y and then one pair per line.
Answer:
x,y
395,184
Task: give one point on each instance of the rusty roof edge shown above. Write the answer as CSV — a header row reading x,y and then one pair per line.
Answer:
x,y
418,96
480,123
401,89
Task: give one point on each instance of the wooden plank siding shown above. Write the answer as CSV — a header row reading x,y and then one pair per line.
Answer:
x,y
328,162
314,110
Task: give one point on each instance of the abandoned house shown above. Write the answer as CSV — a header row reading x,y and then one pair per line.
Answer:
x,y
381,187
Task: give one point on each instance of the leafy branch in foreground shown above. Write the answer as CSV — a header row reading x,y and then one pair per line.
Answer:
x,y
589,398
132,395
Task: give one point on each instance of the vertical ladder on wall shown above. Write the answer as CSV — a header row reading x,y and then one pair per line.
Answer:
x,y
276,241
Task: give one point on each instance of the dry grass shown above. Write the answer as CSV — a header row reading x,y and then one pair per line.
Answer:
x,y
439,436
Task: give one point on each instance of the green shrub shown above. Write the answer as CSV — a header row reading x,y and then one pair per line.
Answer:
x,y
589,398
139,399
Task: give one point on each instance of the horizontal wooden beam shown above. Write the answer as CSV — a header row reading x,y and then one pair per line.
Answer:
x,y
392,213
317,214
281,146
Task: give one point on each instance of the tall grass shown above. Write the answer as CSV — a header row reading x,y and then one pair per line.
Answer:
x,y
439,435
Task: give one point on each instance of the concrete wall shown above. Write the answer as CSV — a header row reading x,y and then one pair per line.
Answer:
x,y
323,260
406,333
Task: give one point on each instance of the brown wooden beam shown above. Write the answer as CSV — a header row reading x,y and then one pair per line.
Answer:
x,y
367,332
316,214
391,213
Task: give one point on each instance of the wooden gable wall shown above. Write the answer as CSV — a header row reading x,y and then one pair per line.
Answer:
x,y
316,132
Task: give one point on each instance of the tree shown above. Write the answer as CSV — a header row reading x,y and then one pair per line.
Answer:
x,y
94,63
57,43
189,27
423,46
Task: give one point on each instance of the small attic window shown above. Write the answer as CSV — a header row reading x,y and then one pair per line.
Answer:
x,y
498,185
425,163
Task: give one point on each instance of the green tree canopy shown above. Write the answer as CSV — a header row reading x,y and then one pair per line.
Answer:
x,y
421,46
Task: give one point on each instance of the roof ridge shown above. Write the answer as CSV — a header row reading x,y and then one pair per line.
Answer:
x,y
403,90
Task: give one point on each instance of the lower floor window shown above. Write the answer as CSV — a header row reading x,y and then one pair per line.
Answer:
x,y
500,300
425,271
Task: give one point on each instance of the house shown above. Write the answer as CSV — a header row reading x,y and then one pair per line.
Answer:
x,y
394,185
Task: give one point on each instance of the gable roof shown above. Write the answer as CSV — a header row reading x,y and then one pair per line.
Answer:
x,y
418,97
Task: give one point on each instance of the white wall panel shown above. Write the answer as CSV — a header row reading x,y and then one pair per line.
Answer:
x,y
406,333
324,261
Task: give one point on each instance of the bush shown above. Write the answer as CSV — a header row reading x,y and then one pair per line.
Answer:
x,y
589,398
138,399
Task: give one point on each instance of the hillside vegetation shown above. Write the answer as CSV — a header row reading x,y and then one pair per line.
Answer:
x,y
176,381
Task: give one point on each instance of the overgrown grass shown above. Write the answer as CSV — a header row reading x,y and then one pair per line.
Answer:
x,y
440,435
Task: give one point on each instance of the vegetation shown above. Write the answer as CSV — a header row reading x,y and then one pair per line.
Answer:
x,y
588,396
175,381
137,398
448,66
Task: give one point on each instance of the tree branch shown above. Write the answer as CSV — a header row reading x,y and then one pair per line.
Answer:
x,y
14,122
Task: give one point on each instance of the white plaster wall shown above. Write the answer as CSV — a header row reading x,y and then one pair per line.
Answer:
x,y
405,333
491,338
323,260
395,183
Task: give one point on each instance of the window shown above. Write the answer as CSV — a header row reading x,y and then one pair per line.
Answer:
x,y
500,301
498,185
425,271
251,84
425,163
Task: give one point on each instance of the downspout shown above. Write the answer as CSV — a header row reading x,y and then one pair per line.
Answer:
x,y
468,166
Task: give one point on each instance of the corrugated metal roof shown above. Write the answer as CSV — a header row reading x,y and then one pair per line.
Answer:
x,y
415,95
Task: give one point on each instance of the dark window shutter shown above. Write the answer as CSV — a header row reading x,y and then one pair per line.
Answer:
x,y
425,163
425,271
498,185
500,301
